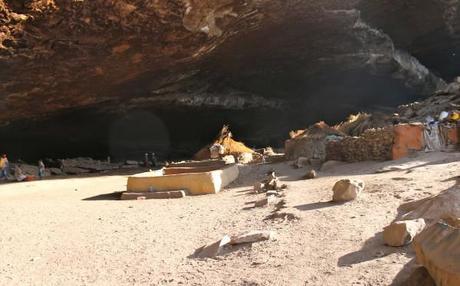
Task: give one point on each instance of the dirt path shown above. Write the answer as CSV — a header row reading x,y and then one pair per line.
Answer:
x,y
67,232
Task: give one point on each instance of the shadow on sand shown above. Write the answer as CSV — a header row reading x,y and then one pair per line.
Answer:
x,y
373,248
115,196
318,205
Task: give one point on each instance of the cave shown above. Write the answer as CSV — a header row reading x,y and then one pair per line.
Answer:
x,y
103,78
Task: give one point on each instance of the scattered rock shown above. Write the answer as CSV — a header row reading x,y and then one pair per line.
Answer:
x,y
268,201
271,183
283,216
252,236
85,165
258,187
245,158
75,171
214,249
401,233
310,175
347,190
437,248
272,193
229,159
55,171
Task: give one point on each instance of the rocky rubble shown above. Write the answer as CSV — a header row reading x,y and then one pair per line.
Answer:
x,y
373,144
75,166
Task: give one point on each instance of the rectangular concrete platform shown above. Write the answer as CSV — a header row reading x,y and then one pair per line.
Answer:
x,y
201,179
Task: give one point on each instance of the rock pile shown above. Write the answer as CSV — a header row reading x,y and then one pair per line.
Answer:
x,y
270,185
86,165
373,144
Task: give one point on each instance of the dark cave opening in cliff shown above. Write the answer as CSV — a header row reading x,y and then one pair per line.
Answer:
x,y
312,70
178,132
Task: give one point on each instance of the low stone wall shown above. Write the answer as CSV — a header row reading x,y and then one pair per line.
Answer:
x,y
312,148
373,144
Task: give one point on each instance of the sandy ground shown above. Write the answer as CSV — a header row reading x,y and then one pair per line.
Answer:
x,y
70,232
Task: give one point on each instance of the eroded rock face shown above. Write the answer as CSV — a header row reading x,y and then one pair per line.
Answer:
x,y
438,250
248,58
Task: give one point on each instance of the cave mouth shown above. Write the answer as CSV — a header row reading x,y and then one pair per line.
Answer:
x,y
264,83
177,132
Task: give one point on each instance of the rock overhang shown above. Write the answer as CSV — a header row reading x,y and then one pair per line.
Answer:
x,y
226,56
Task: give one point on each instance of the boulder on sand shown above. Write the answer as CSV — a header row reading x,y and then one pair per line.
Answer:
x,y
347,190
401,233
437,248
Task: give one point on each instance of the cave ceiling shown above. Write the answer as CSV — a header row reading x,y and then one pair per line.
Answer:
x,y
118,55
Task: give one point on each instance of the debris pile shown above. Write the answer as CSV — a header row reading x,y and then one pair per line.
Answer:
x,y
223,145
357,124
311,143
373,144
270,185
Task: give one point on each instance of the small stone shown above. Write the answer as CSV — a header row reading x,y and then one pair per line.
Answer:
x,y
268,201
259,187
252,236
347,190
310,175
229,159
245,158
401,233
214,249
272,193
